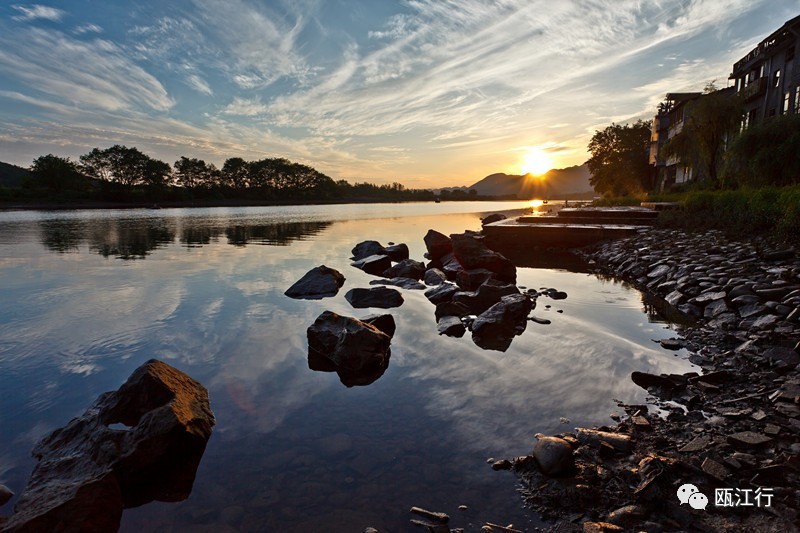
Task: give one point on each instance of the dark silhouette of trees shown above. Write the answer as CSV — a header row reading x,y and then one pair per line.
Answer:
x,y
126,166
122,174
235,173
56,173
191,173
619,162
710,121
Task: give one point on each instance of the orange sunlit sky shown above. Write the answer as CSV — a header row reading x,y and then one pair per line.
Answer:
x,y
429,93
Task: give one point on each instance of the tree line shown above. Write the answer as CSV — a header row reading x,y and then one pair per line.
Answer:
x,y
120,173
722,153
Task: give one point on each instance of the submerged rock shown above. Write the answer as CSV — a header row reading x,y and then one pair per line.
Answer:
x,y
357,351
382,297
87,472
317,283
403,283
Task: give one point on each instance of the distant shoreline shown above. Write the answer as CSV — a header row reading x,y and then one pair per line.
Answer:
x,y
71,206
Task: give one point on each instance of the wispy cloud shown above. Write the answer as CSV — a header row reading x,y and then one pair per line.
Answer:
x,y
87,28
89,74
429,89
36,11
199,84
245,107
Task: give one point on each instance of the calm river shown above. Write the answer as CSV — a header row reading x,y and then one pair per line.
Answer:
x,y
88,296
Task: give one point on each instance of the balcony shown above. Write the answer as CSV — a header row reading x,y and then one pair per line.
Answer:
x,y
754,90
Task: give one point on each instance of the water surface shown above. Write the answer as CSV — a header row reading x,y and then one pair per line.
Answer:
x,y
88,296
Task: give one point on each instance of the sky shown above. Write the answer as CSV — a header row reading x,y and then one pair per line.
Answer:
x,y
428,93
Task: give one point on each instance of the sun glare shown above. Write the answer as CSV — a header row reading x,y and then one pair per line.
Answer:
x,y
536,162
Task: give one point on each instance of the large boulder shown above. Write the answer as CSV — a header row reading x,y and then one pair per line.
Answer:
x,y
495,328
397,252
366,249
382,297
317,283
138,444
407,268
357,351
373,264
438,244
471,252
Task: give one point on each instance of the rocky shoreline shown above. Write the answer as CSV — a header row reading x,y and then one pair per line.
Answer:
x,y
730,431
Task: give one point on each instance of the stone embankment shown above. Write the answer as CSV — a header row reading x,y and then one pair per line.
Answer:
x,y
730,431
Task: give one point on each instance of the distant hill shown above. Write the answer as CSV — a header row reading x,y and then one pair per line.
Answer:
x,y
11,175
555,183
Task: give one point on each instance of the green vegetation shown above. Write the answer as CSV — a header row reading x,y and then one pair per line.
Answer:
x,y
765,154
619,163
125,175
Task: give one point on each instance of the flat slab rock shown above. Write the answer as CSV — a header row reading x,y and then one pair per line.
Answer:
x,y
748,439
87,472
382,297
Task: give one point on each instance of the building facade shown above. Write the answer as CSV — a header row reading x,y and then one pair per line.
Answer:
x,y
667,123
768,77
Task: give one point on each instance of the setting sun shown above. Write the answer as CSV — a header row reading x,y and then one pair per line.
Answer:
x,y
536,162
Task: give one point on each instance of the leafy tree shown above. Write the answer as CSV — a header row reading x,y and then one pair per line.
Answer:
x,y
191,173
56,173
709,122
127,166
619,163
235,173
765,154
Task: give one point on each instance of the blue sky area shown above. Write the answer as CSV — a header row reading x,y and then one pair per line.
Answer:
x,y
429,93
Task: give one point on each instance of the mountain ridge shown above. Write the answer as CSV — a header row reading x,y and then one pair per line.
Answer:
x,y
555,182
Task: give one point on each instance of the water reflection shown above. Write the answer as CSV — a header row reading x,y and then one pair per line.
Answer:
x,y
295,450
362,377
119,239
136,239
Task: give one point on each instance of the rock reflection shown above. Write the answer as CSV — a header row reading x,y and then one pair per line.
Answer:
x,y
362,377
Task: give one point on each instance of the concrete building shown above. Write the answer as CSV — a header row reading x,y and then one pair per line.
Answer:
x,y
768,77
667,123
